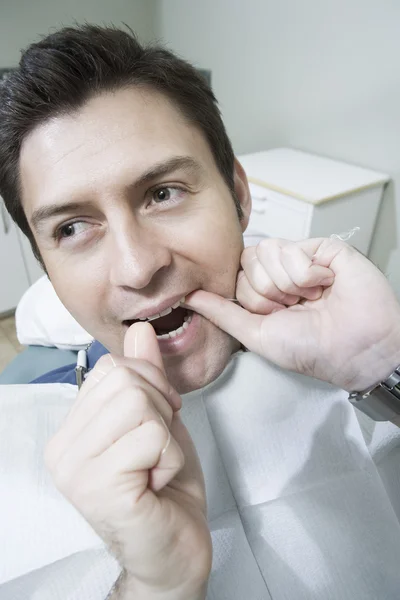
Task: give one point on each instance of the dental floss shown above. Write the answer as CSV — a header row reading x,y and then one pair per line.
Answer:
x,y
169,436
346,235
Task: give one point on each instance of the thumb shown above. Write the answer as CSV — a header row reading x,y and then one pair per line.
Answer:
x,y
141,342
235,320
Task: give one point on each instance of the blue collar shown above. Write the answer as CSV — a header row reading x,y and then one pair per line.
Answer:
x,y
67,373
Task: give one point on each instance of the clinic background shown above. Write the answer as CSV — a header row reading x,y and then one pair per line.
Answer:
x,y
320,76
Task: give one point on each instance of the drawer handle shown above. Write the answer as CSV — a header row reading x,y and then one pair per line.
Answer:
x,y
4,217
260,198
256,209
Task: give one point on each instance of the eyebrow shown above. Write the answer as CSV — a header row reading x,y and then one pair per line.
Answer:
x,y
185,163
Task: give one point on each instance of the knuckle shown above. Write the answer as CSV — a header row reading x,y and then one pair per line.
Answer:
x,y
144,365
170,390
128,409
240,295
242,284
124,375
168,414
63,478
140,400
270,247
157,435
280,296
270,291
241,276
251,301
133,401
141,396
260,305
264,287
104,361
289,248
265,244
302,278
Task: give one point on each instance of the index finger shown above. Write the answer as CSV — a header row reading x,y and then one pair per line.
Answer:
x,y
98,377
228,316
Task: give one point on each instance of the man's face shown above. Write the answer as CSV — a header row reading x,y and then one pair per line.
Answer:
x,y
131,214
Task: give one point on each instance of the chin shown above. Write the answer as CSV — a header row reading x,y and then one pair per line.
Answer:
x,y
197,372
185,384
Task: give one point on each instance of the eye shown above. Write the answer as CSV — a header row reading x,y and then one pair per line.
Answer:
x,y
71,229
162,194
167,194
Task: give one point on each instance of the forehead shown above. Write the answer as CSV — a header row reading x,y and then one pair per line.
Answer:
x,y
112,136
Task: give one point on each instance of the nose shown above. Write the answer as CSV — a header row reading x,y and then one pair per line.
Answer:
x,y
137,254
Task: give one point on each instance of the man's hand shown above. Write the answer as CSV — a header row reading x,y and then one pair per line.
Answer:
x,y
317,307
127,463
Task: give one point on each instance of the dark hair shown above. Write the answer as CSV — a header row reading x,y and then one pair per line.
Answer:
x,y
63,71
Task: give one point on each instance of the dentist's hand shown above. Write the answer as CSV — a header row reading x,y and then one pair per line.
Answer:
x,y
125,460
317,307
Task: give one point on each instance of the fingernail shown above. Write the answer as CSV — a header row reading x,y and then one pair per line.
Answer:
x,y
327,281
139,327
315,293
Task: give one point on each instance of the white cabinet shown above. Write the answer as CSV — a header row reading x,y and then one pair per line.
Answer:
x,y
297,195
15,278
277,215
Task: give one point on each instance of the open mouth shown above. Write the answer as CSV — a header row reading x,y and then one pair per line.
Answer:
x,y
170,325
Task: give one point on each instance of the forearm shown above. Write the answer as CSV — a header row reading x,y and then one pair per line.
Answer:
x,y
128,589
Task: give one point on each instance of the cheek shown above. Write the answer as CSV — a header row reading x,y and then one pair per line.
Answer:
x,y
80,289
213,239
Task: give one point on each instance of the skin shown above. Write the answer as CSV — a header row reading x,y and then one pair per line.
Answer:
x,y
129,252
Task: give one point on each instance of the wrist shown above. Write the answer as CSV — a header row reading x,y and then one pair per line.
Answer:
x,y
375,366
128,588
374,375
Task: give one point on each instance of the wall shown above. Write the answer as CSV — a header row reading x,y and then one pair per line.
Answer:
x,y
22,22
319,76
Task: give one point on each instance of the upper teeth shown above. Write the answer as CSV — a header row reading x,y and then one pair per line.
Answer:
x,y
165,312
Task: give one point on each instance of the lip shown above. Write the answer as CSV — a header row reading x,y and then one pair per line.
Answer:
x,y
155,308
183,342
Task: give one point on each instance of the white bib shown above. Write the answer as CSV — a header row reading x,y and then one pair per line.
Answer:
x,y
302,500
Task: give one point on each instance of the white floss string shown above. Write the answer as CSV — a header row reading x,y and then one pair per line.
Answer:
x,y
346,235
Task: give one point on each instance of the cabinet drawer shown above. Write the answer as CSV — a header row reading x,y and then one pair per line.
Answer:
x,y
277,215
13,277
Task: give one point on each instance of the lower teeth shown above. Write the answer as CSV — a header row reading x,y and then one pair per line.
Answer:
x,y
172,334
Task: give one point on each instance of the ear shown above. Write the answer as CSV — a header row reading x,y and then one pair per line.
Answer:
x,y
242,192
